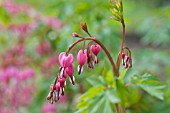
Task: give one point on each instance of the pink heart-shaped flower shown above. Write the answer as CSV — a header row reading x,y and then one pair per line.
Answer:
x,y
65,60
95,49
81,57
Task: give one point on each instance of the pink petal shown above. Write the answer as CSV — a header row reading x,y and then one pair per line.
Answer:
x,y
70,70
95,49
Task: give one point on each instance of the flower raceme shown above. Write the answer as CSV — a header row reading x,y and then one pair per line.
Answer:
x,y
67,69
84,55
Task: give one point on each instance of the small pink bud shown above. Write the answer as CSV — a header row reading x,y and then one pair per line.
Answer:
x,y
65,60
62,81
57,87
95,49
51,87
75,34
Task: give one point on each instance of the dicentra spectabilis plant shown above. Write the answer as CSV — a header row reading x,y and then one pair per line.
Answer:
x,y
100,98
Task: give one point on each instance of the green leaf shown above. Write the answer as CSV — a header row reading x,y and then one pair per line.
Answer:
x,y
91,93
111,95
96,80
150,84
98,100
96,103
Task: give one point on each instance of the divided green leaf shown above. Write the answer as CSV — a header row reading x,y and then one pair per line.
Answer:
x,y
150,84
98,100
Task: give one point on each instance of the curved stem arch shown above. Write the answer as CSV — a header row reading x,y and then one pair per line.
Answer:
x,y
115,71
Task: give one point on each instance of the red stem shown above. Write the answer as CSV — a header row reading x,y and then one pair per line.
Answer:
x,y
117,108
122,45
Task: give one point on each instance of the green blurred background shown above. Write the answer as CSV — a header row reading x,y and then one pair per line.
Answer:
x,y
49,24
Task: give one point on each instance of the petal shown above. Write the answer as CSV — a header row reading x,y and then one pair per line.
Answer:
x,y
70,70
80,69
68,60
61,58
72,80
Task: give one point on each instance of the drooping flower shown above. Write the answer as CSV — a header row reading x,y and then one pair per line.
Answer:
x,y
95,50
90,63
126,61
57,91
62,82
65,60
81,57
70,71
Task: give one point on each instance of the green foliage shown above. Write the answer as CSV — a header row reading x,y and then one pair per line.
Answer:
x,y
98,100
150,84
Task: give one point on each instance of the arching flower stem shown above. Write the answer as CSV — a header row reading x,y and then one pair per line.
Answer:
x,y
122,45
115,71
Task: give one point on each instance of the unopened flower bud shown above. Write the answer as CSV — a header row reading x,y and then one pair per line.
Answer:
x,y
74,34
84,26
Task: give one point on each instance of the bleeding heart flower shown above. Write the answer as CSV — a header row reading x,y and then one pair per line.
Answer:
x,y
70,71
95,49
57,89
65,60
90,63
81,57
62,82
126,61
